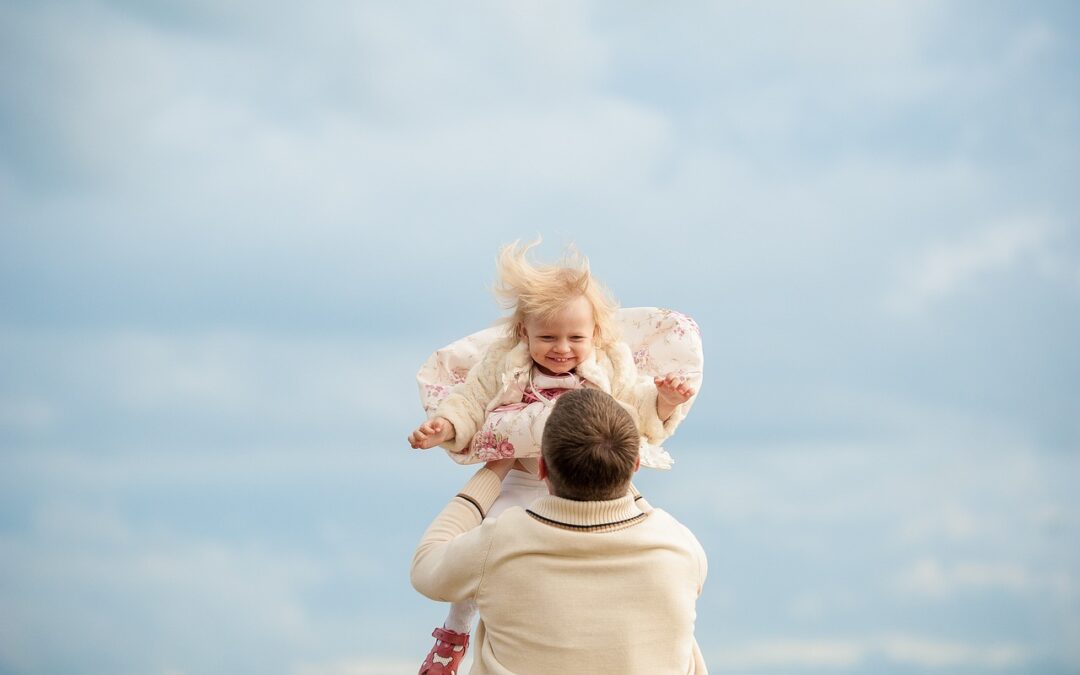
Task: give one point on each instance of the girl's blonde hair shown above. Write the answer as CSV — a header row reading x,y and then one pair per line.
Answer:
x,y
540,291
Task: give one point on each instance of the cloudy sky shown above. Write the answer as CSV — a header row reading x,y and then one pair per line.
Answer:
x,y
231,232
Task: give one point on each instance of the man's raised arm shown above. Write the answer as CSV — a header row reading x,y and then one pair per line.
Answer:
x,y
449,560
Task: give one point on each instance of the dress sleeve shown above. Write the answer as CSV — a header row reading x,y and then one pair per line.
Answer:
x,y
639,392
466,405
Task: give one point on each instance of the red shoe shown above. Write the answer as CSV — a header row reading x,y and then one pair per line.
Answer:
x,y
447,654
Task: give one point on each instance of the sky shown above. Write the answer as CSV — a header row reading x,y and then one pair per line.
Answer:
x,y
230,233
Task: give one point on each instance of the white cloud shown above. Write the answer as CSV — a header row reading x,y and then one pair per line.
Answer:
x,y
265,378
814,605
1060,268
931,577
360,667
1032,42
225,601
207,597
787,653
402,101
947,269
442,56
909,484
952,522
932,653
26,413
197,467
848,654
76,523
353,125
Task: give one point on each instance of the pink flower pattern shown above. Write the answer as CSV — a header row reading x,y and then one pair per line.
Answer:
x,y
680,325
436,391
641,357
487,445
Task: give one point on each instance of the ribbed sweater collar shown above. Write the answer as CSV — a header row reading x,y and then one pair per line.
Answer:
x,y
587,515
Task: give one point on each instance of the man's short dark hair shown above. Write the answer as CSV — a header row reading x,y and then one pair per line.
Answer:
x,y
590,446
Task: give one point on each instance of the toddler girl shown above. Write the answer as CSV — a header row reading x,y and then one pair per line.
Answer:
x,y
559,337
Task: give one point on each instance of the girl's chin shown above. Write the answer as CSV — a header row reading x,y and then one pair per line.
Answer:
x,y
549,368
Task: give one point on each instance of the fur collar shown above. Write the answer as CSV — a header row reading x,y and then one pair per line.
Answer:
x,y
519,363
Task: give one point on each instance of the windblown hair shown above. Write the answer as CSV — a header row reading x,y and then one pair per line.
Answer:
x,y
590,446
540,291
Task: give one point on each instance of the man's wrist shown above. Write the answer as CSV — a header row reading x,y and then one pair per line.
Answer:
x,y
501,467
482,489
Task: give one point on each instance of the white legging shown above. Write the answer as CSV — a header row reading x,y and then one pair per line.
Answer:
x,y
519,488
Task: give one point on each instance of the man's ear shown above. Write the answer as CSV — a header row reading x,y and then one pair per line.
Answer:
x,y
542,472
637,463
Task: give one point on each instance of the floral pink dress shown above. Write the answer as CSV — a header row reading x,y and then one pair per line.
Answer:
x,y
515,429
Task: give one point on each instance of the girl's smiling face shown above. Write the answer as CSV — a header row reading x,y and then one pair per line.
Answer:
x,y
560,343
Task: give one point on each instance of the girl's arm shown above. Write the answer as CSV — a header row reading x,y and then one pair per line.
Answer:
x,y
657,417
466,406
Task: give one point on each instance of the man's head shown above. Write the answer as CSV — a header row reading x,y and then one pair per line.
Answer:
x,y
590,447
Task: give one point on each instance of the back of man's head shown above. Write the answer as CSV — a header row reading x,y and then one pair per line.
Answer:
x,y
590,446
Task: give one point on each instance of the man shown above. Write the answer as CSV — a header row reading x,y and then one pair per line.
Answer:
x,y
588,580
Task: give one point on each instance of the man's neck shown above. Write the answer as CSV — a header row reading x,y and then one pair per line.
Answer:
x,y
614,494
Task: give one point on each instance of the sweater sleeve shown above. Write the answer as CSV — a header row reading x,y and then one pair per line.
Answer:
x,y
449,561
466,405
702,560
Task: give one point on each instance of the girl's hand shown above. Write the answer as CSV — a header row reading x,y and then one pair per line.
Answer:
x,y
671,390
431,433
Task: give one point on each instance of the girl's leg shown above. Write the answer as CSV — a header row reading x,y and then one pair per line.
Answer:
x,y
519,488
461,616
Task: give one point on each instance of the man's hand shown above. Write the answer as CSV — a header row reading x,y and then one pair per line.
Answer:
x,y
671,390
431,433
501,466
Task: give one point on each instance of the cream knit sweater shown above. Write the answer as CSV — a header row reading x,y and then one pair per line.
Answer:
x,y
567,586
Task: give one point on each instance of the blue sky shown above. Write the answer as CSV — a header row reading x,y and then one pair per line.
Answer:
x,y
231,232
